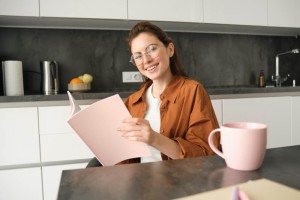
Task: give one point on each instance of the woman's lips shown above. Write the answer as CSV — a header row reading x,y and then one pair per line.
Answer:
x,y
151,68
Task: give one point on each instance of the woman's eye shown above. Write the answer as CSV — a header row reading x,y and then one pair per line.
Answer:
x,y
137,57
151,49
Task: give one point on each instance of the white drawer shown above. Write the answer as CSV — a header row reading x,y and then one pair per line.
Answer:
x,y
60,147
53,119
25,183
19,137
51,178
217,105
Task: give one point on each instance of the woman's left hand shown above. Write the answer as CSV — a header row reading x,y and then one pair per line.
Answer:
x,y
137,129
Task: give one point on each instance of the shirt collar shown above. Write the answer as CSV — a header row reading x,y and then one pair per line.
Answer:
x,y
170,93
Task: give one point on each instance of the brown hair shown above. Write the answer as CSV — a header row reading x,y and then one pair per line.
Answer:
x,y
142,27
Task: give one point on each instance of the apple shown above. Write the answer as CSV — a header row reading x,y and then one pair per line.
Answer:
x,y
87,78
81,77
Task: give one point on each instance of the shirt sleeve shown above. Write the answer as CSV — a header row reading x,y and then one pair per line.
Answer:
x,y
202,121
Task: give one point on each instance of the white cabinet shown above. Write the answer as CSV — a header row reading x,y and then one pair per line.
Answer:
x,y
23,183
62,147
273,111
239,12
217,105
52,176
97,9
166,10
19,8
58,140
284,13
19,136
53,120
295,120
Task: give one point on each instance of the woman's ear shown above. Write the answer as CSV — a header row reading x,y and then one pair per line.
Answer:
x,y
171,49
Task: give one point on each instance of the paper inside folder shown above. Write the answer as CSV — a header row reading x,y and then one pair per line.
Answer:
x,y
97,125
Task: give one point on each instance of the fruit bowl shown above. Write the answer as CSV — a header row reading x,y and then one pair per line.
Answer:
x,y
79,87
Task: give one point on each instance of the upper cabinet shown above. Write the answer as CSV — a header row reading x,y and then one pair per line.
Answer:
x,y
94,9
28,8
284,13
166,10
237,12
266,17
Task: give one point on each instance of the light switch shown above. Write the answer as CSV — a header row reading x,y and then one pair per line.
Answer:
x,y
131,77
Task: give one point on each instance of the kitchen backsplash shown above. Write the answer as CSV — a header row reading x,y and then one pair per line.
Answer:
x,y
213,59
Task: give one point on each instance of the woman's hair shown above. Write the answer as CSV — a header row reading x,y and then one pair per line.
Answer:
x,y
147,27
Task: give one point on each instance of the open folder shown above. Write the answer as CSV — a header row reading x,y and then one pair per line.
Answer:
x,y
261,189
97,126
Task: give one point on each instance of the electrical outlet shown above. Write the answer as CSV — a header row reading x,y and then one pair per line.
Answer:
x,y
132,77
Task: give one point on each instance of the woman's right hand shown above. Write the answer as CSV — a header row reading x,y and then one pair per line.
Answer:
x,y
137,129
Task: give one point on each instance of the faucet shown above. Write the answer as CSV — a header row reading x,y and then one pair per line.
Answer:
x,y
278,79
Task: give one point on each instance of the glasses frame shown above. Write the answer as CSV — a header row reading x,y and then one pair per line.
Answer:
x,y
147,52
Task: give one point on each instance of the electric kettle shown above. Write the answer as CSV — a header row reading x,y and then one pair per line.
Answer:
x,y
50,77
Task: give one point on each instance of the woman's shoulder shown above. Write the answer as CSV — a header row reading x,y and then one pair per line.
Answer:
x,y
189,82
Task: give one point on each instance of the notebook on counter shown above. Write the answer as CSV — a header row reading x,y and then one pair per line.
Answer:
x,y
261,189
97,126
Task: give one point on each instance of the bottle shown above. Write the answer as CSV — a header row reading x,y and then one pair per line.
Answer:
x,y
261,80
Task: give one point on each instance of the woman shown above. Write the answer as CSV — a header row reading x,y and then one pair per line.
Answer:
x,y
171,113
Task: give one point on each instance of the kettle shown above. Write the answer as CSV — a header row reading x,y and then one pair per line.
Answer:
x,y
50,77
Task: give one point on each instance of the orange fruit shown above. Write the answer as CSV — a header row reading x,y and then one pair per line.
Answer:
x,y
76,81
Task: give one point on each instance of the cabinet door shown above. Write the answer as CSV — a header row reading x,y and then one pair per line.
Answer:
x,y
19,137
166,10
98,9
23,183
295,120
240,12
284,13
19,7
51,178
62,147
53,120
217,105
275,112
58,140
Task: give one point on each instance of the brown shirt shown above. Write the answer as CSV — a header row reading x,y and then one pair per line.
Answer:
x,y
187,115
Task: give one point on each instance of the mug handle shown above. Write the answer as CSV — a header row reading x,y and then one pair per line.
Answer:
x,y
211,143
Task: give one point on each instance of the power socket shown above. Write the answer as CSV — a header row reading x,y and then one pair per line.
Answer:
x,y
132,77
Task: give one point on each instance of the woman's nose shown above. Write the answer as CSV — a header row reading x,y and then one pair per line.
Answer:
x,y
146,58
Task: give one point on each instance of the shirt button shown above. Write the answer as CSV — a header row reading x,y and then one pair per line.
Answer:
x,y
162,97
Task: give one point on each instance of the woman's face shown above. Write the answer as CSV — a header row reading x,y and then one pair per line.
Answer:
x,y
152,58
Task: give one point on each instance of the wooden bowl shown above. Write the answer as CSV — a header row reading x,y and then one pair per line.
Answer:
x,y
80,87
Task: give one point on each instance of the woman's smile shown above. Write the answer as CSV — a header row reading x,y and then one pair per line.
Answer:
x,y
151,68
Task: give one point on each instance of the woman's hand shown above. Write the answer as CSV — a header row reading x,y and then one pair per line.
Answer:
x,y
137,129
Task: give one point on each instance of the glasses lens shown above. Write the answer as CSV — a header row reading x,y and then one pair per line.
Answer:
x,y
132,61
151,51
136,59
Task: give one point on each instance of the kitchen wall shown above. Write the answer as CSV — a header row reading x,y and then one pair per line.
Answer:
x,y
213,59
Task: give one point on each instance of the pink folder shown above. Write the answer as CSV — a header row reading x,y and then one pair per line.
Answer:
x,y
97,127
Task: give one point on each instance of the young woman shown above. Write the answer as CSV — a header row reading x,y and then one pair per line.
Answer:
x,y
171,113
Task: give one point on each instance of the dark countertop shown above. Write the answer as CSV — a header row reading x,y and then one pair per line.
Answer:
x,y
214,92
176,178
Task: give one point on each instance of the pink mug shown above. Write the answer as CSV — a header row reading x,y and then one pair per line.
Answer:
x,y
243,144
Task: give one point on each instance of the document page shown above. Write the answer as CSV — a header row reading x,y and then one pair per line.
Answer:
x,y
97,127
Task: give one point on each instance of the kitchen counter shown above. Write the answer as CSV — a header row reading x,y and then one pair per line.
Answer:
x,y
175,178
90,97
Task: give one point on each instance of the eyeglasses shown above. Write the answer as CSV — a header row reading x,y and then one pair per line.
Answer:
x,y
151,51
